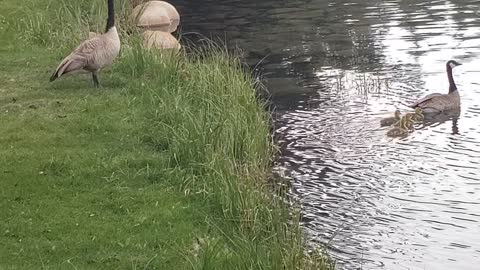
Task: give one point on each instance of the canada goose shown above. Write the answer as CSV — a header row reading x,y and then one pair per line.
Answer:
x,y
391,120
399,131
417,116
94,53
441,102
93,34
408,121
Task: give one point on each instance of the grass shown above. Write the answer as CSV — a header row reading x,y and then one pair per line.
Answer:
x,y
164,167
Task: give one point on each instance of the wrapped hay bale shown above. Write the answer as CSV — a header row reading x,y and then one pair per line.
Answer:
x,y
156,15
160,40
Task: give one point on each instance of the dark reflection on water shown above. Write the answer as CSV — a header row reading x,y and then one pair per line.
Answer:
x,y
334,68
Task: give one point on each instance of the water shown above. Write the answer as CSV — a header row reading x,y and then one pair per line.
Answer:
x,y
334,69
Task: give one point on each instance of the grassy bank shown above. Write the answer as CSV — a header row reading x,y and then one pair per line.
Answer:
x,y
164,167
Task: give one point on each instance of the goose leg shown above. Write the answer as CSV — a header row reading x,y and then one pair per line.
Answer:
x,y
95,79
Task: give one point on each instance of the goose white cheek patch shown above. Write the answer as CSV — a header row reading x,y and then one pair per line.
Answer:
x,y
452,65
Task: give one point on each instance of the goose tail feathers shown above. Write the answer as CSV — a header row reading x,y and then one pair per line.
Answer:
x,y
54,76
67,65
58,71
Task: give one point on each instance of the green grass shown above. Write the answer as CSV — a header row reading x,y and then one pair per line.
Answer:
x,y
164,167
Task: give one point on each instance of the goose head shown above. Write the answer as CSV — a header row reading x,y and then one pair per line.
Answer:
x,y
397,114
453,63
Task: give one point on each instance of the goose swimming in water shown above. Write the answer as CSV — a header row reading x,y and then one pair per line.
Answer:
x,y
94,53
441,102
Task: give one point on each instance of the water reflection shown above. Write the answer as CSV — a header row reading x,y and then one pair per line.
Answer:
x,y
334,69
441,118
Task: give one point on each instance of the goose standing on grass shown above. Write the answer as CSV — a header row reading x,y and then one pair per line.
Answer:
x,y
441,102
94,53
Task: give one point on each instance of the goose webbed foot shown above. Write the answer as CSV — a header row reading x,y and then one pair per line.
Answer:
x,y
95,80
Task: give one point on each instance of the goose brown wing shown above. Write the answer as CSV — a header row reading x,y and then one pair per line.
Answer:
x,y
79,58
441,103
427,99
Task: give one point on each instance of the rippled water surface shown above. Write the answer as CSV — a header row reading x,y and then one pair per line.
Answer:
x,y
334,69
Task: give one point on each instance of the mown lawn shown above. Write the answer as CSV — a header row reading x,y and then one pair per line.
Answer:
x,y
164,167
80,186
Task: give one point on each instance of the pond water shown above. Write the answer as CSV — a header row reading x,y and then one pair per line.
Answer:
x,y
334,69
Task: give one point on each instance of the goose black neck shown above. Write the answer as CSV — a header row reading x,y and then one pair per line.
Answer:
x,y
452,86
111,16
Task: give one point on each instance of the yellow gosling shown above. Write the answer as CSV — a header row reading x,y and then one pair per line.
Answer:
x,y
409,121
391,120
399,131
418,115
